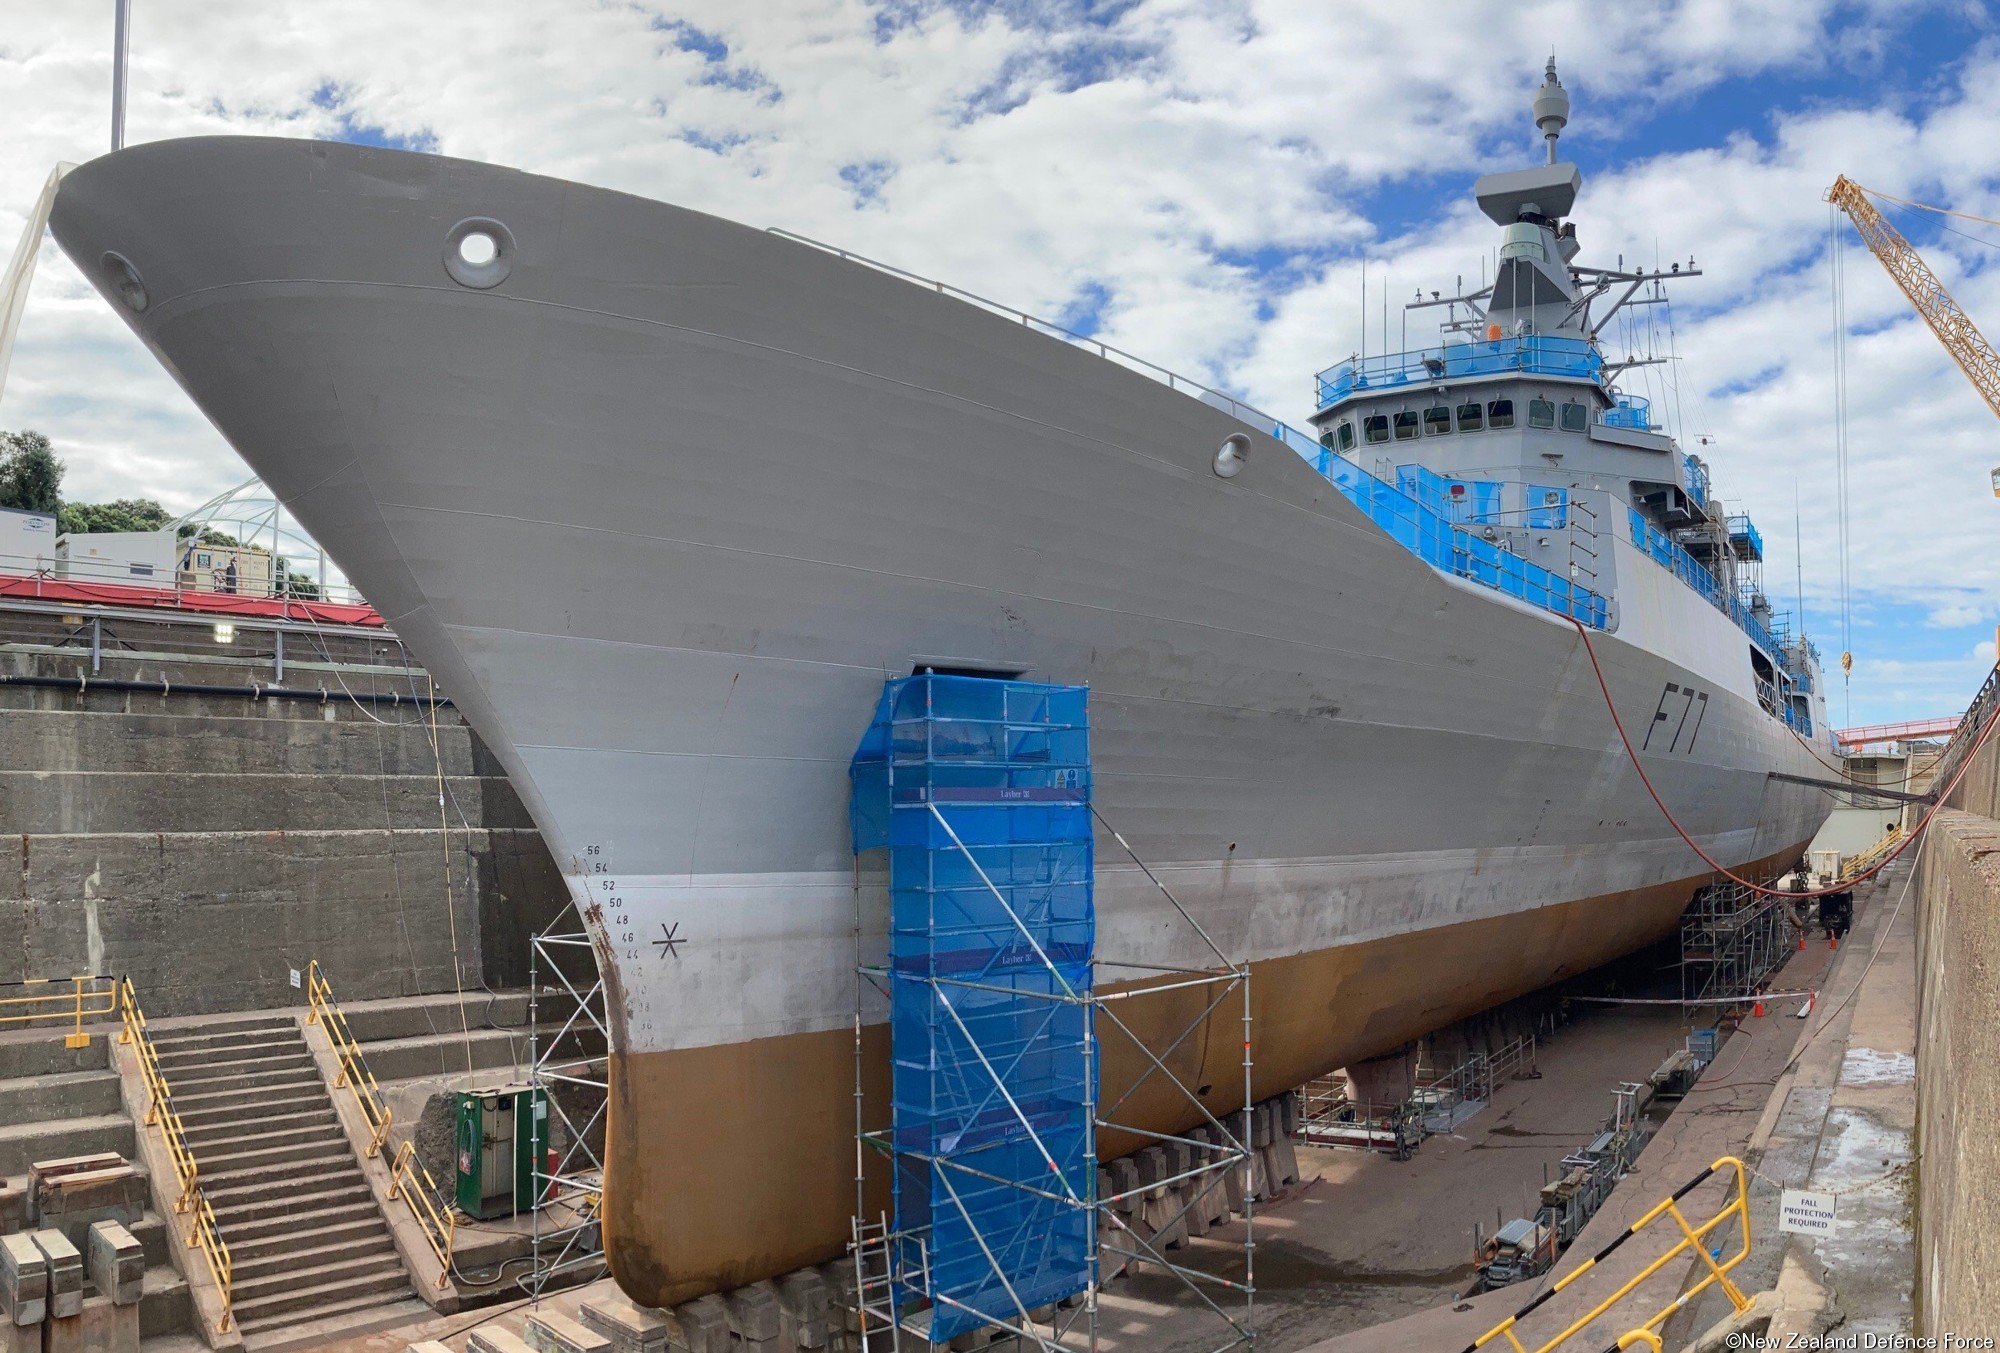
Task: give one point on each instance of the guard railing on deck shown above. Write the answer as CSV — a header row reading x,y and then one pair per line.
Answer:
x,y
1530,354
1459,551
1693,1238
202,1232
409,1179
1670,556
70,1000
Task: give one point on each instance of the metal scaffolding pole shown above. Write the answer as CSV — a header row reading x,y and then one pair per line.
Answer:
x,y
569,1068
1005,1221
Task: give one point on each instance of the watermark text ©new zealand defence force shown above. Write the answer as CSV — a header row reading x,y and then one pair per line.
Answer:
x,y
1837,1340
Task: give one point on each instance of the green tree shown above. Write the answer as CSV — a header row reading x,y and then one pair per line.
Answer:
x,y
125,514
30,474
298,585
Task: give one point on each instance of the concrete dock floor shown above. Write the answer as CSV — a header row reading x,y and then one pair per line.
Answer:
x,y
1371,1239
1757,1102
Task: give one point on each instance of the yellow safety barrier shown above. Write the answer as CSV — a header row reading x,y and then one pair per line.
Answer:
x,y
202,1232
73,999
1692,1238
408,1177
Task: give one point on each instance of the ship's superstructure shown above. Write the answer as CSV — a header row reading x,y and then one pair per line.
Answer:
x,y
662,500
1514,427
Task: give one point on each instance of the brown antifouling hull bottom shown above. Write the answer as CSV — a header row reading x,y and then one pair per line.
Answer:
x,y
736,1162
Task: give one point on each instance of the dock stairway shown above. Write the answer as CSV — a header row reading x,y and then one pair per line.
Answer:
x,y
308,1242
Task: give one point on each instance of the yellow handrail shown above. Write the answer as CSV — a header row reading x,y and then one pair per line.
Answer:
x,y
354,1074
1692,1238
408,1177
203,1233
411,1179
92,996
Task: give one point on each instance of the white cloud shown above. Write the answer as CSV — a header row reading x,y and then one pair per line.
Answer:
x,y
1957,617
1139,164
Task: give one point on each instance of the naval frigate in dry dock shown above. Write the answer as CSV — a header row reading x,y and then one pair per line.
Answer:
x,y
662,499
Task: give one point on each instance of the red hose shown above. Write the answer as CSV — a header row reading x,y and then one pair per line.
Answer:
x,y
1717,865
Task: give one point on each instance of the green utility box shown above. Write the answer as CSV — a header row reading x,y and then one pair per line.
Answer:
x,y
502,1133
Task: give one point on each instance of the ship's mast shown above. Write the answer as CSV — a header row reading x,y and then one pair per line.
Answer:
x,y
121,35
1551,107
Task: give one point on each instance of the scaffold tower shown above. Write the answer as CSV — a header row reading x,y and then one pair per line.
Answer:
x,y
980,791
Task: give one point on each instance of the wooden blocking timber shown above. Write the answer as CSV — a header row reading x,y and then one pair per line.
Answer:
x,y
843,1304
39,1172
807,1307
1154,1171
1131,1204
550,1332
74,1201
115,1262
755,1316
1214,1203
1186,1193
630,1327
65,1265
1111,1236
700,1326
1282,1155
496,1339
24,1281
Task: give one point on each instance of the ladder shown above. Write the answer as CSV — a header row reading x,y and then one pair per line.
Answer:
x,y
874,1287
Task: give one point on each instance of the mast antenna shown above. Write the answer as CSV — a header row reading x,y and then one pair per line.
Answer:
x,y
121,33
1551,107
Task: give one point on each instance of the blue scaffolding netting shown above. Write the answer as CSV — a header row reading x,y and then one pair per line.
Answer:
x,y
980,790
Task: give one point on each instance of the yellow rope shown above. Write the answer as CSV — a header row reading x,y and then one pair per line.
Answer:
x,y
444,845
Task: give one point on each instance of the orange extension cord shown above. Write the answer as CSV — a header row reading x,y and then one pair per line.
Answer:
x,y
1758,888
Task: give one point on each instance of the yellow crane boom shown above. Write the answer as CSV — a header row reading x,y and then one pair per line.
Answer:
x,y
1953,327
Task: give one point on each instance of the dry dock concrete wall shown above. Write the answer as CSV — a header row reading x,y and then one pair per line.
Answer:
x,y
207,846
1958,1059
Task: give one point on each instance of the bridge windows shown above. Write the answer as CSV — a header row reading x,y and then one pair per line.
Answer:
x,y
1375,428
1406,425
1437,420
1500,413
1541,413
1575,418
1470,417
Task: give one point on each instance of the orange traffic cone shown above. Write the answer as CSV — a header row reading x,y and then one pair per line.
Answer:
x,y
1833,941
1802,940
1757,1010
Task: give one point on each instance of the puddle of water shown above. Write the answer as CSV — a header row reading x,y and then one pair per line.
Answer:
x,y
1866,1066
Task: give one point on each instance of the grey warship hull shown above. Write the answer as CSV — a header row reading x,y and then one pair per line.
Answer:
x,y
663,504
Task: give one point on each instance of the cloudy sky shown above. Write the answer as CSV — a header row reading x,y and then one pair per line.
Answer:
x,y
1199,181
